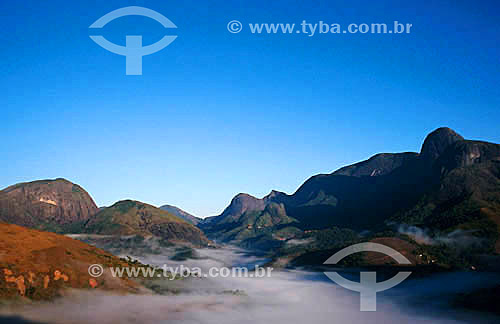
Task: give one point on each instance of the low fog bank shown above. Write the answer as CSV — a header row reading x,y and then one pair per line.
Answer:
x,y
459,238
287,297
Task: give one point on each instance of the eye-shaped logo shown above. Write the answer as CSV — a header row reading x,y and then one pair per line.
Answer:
x,y
368,286
133,50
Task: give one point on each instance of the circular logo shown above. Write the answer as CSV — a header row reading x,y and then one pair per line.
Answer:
x,y
234,26
368,285
96,270
133,49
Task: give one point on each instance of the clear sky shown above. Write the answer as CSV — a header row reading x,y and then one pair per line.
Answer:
x,y
215,113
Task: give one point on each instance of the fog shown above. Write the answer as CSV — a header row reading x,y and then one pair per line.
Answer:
x,y
458,238
285,297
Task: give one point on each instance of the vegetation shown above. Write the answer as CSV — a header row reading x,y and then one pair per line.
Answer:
x,y
40,265
135,218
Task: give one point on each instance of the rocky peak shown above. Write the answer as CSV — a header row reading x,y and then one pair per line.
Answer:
x,y
40,203
436,142
467,153
275,196
243,202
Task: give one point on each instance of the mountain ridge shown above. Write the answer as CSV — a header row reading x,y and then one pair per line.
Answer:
x,y
181,214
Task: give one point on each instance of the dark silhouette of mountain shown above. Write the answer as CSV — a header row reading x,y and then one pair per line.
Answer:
x,y
443,186
55,205
437,142
182,214
467,196
380,164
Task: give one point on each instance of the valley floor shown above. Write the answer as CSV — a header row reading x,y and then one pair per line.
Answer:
x,y
285,297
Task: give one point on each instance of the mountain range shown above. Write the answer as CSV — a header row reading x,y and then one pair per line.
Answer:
x,y
451,184
448,192
63,207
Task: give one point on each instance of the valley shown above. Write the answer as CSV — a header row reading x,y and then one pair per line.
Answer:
x,y
439,208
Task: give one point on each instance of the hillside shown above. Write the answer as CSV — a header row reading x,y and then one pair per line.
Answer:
x,y
130,217
41,265
55,205
181,214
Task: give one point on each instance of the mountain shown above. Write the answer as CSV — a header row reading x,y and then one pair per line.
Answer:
x,y
56,205
362,196
467,196
130,217
437,142
181,214
41,265
252,222
366,194
64,207
451,184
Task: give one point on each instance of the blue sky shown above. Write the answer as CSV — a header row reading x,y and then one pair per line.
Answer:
x,y
215,113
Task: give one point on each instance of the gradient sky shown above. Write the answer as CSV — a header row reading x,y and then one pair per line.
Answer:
x,y
215,113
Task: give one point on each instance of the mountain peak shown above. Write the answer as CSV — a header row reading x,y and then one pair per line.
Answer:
x,y
241,203
245,201
243,195
181,214
131,217
275,196
436,142
51,203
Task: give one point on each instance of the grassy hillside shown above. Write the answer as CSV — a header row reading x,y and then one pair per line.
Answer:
x,y
41,265
130,217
